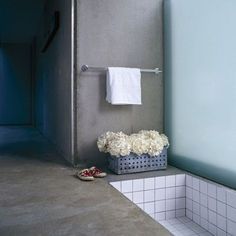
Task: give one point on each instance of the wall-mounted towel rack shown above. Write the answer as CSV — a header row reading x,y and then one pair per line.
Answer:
x,y
85,68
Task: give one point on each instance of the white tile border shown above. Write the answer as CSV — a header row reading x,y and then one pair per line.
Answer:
x,y
210,205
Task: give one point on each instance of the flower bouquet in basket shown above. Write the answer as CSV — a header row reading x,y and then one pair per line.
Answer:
x,y
142,151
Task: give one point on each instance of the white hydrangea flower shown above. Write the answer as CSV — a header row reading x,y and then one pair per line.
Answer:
x,y
101,143
119,147
165,140
149,133
139,144
155,147
103,140
120,144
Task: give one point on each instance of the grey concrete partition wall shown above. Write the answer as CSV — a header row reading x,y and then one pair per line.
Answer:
x,y
126,33
54,81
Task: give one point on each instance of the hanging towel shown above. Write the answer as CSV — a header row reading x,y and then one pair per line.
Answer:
x,y
123,86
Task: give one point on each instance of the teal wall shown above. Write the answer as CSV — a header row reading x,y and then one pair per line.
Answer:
x,y
200,87
15,84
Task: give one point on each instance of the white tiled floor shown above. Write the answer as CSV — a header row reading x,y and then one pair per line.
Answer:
x,y
183,226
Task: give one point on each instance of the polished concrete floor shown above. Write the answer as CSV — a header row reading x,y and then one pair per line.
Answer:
x,y
30,179
39,195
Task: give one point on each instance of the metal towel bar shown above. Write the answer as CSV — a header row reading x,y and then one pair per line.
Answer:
x,y
85,68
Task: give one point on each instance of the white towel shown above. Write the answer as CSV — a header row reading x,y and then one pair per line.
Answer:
x,y
123,86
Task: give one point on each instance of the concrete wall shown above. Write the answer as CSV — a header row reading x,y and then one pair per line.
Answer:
x,y
200,87
124,33
15,84
53,80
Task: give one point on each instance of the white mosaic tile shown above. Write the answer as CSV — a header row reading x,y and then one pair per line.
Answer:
x,y
203,199
170,214
170,204
203,186
212,229
160,216
189,181
187,204
170,192
204,212
149,207
196,218
149,183
170,181
221,232
117,185
180,180
160,182
180,191
126,186
211,190
180,203
196,183
140,205
189,214
221,208
221,222
212,217
231,198
196,196
160,206
138,185
180,212
189,193
196,208
129,196
231,213
231,227
160,194
221,194
138,197
204,223
149,195
211,203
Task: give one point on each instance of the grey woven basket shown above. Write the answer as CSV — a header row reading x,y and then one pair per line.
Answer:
x,y
134,163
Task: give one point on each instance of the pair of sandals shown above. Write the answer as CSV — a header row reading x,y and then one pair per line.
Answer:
x,y
90,174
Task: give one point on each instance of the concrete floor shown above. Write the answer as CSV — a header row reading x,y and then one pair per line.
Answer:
x,y
40,196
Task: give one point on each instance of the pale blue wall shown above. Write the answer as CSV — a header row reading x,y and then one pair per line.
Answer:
x,y
200,86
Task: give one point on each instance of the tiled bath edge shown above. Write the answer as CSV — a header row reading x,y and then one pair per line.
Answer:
x,y
208,204
211,205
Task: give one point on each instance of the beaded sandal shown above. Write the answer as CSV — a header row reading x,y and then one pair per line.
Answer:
x,y
85,174
95,172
